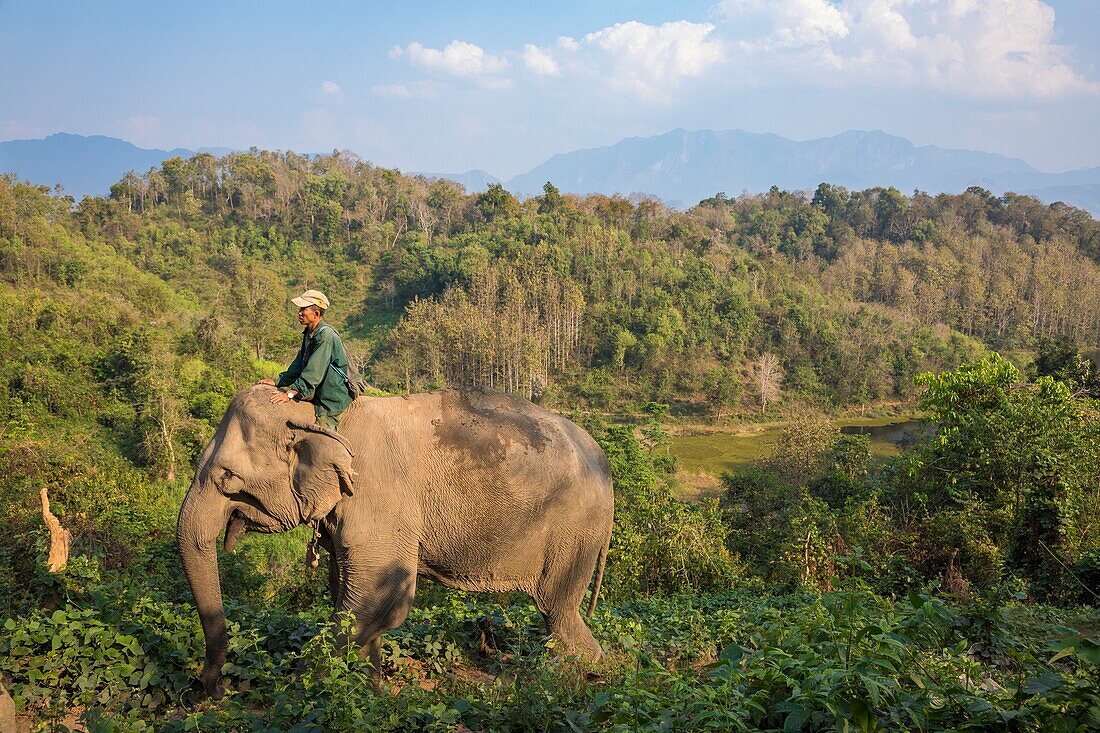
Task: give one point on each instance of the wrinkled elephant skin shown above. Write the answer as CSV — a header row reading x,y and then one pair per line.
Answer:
x,y
479,490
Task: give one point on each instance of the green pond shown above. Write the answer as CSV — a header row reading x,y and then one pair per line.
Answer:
x,y
717,452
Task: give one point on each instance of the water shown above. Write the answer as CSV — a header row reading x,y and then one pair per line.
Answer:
x,y
899,434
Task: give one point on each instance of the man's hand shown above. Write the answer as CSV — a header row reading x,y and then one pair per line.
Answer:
x,y
268,382
279,397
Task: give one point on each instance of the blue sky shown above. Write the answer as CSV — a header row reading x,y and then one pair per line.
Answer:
x,y
448,86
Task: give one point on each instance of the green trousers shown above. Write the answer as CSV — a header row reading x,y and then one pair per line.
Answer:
x,y
332,422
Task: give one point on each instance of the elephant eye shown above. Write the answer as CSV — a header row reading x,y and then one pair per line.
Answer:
x,y
227,477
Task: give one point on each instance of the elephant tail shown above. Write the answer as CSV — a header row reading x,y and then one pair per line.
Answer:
x,y
600,563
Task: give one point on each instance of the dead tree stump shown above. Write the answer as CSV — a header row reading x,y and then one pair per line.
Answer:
x,y
7,712
60,538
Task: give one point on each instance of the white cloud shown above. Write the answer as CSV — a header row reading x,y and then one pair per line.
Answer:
x,y
539,62
330,88
648,60
984,48
641,60
567,43
793,23
458,59
144,131
414,90
994,49
15,130
392,90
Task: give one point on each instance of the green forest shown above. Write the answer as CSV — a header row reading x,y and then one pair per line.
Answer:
x,y
954,586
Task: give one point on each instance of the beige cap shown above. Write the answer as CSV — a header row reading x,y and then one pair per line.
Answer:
x,y
311,297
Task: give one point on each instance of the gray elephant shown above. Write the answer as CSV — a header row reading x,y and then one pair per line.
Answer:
x,y
476,489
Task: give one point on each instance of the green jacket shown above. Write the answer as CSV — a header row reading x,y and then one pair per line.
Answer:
x,y
311,375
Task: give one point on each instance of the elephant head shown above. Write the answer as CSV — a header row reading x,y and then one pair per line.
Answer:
x,y
268,468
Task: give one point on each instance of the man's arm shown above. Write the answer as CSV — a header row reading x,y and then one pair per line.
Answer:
x,y
293,371
314,370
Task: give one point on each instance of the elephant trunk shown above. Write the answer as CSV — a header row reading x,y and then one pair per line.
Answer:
x,y
203,515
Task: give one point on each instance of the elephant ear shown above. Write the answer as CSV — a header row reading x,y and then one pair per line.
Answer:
x,y
322,472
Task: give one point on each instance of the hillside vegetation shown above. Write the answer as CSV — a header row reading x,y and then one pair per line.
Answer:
x,y
952,587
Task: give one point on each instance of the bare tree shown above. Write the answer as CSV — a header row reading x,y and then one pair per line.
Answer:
x,y
768,377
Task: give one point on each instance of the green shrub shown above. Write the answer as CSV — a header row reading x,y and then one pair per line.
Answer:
x,y
660,544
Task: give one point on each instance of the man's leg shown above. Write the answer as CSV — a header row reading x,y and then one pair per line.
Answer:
x,y
332,422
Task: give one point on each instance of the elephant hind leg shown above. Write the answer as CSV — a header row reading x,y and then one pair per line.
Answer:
x,y
560,592
569,626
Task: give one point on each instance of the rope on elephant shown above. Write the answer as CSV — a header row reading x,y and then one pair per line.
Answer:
x,y
313,555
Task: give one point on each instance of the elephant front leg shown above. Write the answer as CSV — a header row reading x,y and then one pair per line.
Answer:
x,y
378,596
335,585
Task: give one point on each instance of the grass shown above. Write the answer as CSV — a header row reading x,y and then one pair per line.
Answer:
x,y
716,453
702,457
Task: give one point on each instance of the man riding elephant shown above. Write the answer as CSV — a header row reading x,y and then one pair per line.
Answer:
x,y
318,373
477,490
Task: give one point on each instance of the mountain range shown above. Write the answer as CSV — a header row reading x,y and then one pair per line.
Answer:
x,y
473,180
680,167
83,165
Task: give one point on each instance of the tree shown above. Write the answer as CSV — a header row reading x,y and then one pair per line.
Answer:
x,y
162,418
445,199
624,341
892,220
721,388
661,543
496,203
654,434
1027,453
830,199
803,451
768,378
261,306
551,200
1059,359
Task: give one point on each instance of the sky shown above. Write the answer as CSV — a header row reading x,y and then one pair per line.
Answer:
x,y
501,86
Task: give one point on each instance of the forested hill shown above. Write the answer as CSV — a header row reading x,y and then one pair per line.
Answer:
x,y
808,599
589,302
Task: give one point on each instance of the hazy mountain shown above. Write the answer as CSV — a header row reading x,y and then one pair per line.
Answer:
x,y
474,180
83,165
1084,196
682,167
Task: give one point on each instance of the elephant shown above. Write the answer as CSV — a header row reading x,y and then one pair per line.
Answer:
x,y
476,489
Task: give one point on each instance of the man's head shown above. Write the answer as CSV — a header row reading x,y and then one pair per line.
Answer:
x,y
312,305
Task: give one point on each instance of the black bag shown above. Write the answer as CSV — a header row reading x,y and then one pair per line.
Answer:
x,y
355,384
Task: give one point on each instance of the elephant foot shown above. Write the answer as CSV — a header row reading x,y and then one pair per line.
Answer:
x,y
575,636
